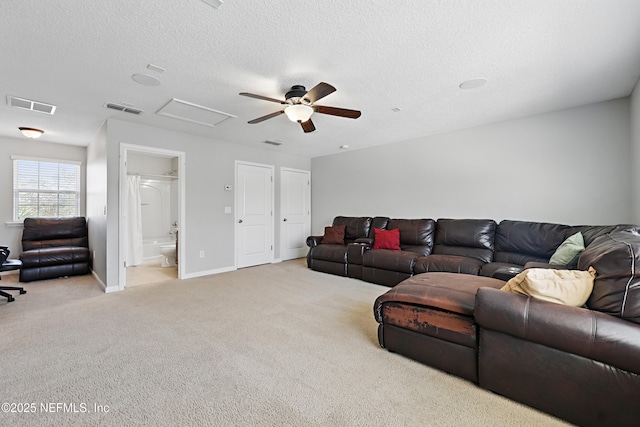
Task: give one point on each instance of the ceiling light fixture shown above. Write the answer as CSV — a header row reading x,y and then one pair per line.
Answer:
x,y
31,132
299,113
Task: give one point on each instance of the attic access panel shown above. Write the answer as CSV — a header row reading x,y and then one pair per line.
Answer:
x,y
193,113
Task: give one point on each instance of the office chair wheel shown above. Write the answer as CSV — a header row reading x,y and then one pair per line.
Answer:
x,y
22,292
10,298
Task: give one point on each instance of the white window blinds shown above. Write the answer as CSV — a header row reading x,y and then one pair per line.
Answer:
x,y
45,188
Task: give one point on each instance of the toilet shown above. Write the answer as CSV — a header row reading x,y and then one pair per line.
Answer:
x,y
168,252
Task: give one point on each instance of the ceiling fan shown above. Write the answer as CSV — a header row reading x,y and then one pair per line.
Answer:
x,y
299,105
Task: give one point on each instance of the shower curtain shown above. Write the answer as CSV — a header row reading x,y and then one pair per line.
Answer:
x,y
134,222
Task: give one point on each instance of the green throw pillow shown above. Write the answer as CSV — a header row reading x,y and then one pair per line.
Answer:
x,y
569,251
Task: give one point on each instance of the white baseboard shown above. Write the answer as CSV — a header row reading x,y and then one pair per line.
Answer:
x,y
277,260
208,272
100,282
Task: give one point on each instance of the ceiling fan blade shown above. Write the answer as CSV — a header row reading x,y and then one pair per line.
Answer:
x,y
264,98
319,91
307,126
335,111
267,117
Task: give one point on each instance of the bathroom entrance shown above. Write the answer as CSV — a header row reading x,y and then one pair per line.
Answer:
x,y
151,215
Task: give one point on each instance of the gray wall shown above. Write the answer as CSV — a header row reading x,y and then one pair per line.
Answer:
x,y
635,157
97,203
210,164
571,166
11,234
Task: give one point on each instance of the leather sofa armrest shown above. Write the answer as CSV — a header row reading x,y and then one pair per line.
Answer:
x,y
575,330
365,241
313,241
355,252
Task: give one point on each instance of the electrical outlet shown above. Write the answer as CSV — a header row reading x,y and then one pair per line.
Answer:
x,y
201,254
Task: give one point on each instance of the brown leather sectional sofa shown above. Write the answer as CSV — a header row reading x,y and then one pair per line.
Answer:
x,y
581,364
471,246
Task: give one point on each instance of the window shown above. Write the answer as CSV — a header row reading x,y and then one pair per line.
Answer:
x,y
45,188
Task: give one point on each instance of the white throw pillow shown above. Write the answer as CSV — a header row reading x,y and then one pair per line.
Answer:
x,y
569,287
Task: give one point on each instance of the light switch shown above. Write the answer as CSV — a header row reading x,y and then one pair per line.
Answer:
x,y
227,209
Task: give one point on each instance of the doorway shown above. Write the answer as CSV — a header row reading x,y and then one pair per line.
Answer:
x,y
151,215
295,212
254,214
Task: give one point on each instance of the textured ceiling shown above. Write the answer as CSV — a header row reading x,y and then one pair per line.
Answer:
x,y
537,55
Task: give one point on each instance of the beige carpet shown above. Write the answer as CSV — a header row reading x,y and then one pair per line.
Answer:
x,y
275,345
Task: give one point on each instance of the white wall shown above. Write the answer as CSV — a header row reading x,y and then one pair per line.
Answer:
x,y
11,235
635,157
210,164
571,166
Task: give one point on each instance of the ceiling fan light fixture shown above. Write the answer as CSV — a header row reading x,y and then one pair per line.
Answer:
x,y
299,113
31,132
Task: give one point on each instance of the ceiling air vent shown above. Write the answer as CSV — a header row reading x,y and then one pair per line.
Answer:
x,y
27,104
123,108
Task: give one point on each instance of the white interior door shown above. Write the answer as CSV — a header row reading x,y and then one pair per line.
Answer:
x,y
254,214
295,211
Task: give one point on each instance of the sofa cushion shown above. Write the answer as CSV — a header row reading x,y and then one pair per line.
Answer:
x,y
355,227
52,232
386,239
399,261
60,255
330,252
473,238
501,269
518,242
592,232
569,251
568,287
616,259
444,291
416,235
448,263
334,235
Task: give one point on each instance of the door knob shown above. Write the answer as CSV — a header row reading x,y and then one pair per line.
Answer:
x,y
239,221
285,219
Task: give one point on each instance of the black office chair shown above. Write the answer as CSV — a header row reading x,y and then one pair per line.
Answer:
x,y
8,265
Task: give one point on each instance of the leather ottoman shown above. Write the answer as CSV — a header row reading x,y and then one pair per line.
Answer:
x,y
429,318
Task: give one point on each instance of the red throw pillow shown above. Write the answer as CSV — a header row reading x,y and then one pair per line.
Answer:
x,y
386,239
334,235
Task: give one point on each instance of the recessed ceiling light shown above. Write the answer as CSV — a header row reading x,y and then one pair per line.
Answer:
x,y
146,79
344,147
396,109
473,83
